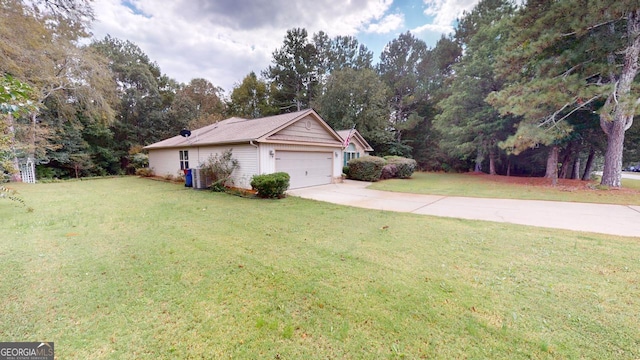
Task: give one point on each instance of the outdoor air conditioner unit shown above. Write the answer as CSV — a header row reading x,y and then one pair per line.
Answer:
x,y
200,181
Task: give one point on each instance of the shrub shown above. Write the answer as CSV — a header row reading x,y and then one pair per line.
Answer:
x,y
270,185
389,171
219,167
345,171
145,172
366,168
140,160
405,167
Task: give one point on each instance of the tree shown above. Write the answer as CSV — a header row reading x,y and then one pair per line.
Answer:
x,y
435,74
357,98
471,128
199,103
145,98
15,97
294,72
251,99
398,68
340,52
40,48
567,57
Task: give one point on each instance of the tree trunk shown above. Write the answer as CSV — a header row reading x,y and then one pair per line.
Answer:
x,y
15,174
576,169
552,165
588,168
492,161
566,161
479,158
612,172
509,167
619,118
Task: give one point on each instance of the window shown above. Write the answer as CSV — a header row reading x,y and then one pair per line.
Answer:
x,y
349,153
184,159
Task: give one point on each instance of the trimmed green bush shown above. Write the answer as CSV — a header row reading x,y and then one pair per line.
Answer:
x,y
271,185
366,168
345,171
405,167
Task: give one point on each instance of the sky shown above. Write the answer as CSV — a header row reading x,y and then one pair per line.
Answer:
x,y
224,40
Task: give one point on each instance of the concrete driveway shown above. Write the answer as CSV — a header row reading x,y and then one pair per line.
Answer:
x,y
598,218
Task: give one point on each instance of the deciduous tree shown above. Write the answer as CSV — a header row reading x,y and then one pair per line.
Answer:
x,y
251,99
357,98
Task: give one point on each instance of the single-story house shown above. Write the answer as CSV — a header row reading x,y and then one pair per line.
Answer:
x,y
299,143
356,147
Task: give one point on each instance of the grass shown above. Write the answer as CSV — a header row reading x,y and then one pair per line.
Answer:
x,y
132,268
499,187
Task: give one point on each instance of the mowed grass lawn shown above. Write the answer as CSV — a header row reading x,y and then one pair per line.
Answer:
x,y
502,187
132,268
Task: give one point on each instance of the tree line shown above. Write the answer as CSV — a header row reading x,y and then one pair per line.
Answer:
x,y
548,88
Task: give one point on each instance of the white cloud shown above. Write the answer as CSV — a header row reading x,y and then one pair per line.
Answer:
x,y
447,11
223,40
440,29
388,24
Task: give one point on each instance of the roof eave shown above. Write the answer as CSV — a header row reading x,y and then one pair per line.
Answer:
x,y
201,144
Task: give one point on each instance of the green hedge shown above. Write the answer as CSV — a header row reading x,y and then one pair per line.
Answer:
x,y
271,185
366,168
405,167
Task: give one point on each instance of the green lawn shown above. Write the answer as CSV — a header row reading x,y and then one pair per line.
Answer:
x,y
487,187
132,268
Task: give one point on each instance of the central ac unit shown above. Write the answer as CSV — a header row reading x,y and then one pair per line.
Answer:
x,y
200,181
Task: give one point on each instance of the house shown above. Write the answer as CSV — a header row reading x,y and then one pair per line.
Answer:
x,y
357,146
300,144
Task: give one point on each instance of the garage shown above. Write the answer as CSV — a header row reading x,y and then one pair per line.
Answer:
x,y
305,168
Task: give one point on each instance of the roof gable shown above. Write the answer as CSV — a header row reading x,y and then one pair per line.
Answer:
x,y
306,129
355,137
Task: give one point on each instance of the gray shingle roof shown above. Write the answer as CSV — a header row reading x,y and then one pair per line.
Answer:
x,y
233,130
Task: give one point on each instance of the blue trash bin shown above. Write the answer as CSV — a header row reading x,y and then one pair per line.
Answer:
x,y
188,178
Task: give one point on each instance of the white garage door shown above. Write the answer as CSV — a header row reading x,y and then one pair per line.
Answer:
x,y
305,168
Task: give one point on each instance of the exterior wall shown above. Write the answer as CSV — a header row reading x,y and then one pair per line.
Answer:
x,y
167,161
305,128
360,149
253,160
247,156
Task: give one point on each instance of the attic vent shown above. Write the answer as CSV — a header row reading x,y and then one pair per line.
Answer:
x,y
307,124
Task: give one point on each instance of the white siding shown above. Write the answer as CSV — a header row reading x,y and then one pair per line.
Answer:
x,y
247,156
167,161
306,128
267,161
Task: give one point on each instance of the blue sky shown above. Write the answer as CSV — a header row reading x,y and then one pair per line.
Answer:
x,y
223,40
